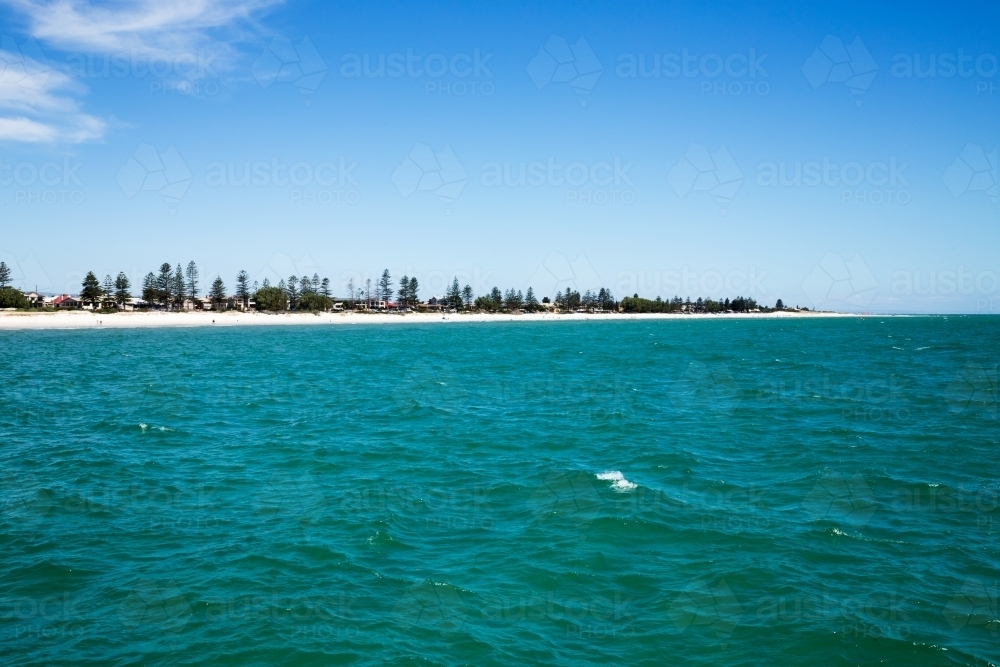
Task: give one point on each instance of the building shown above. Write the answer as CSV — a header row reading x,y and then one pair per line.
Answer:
x,y
65,301
35,300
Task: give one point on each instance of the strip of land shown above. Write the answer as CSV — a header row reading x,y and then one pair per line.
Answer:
x,y
15,320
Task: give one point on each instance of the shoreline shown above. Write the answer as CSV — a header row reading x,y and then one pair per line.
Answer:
x,y
22,321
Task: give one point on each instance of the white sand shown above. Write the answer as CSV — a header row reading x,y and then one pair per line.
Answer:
x,y
10,320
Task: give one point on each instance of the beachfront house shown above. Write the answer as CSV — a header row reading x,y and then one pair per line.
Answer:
x,y
65,301
35,300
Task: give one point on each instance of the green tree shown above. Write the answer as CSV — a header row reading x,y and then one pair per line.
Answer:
x,y
780,305
385,286
467,296
122,285
108,292
414,292
293,292
218,293
90,291
270,298
350,291
305,286
179,288
165,284
496,298
324,288
530,302
404,291
4,275
314,301
243,288
12,298
192,280
454,294
149,292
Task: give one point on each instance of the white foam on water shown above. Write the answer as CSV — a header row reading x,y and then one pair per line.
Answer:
x,y
618,481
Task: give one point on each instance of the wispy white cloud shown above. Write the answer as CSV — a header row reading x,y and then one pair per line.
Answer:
x,y
144,27
25,129
40,96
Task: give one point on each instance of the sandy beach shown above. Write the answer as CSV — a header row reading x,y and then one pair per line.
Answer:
x,y
12,320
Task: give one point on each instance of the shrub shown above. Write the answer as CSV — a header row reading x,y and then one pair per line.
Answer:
x,y
12,298
271,298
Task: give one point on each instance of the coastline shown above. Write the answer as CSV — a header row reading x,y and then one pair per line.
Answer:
x,y
21,321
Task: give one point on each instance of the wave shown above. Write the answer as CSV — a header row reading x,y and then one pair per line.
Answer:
x,y
617,479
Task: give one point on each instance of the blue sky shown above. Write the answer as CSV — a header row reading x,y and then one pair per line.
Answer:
x,y
659,146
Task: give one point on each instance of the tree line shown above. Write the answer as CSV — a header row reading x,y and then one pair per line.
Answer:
x,y
636,304
175,287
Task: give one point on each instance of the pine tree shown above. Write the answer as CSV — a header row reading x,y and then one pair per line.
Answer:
x,y
165,284
292,288
90,291
4,274
243,289
404,291
414,292
530,302
122,285
179,288
350,290
454,294
107,291
150,294
467,296
385,286
192,280
218,293
324,288
305,286
315,283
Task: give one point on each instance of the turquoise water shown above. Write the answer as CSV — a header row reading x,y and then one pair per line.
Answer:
x,y
706,492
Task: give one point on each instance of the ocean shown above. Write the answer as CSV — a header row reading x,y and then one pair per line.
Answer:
x,y
705,491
